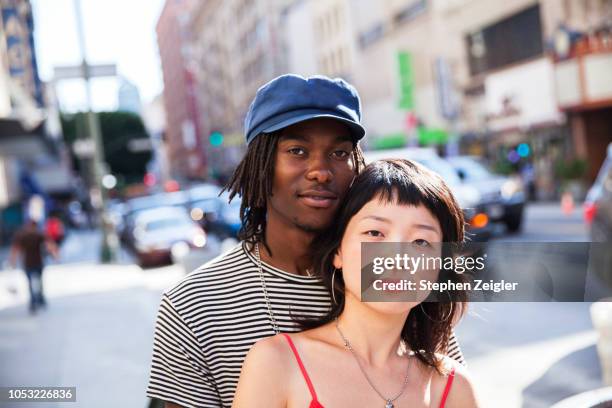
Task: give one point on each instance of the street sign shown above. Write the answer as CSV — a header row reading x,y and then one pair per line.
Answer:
x,y
406,79
76,71
447,100
84,148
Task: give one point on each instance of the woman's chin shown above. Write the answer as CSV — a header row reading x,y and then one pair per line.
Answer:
x,y
392,308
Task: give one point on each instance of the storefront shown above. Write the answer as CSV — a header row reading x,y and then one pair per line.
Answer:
x,y
526,133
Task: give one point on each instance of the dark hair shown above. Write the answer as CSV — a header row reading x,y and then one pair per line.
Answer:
x,y
252,180
427,330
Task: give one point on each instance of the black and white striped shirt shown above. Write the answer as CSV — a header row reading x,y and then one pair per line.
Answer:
x,y
209,320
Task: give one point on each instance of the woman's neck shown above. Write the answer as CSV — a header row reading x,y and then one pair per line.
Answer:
x,y
374,336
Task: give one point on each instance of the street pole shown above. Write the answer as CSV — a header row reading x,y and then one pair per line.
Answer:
x,y
98,194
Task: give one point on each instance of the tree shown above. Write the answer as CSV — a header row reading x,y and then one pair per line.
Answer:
x,y
118,130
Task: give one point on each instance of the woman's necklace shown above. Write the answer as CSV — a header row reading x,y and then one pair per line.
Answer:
x,y
265,289
388,401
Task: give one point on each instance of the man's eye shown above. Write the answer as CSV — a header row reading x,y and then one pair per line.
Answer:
x,y
374,233
421,243
297,151
341,154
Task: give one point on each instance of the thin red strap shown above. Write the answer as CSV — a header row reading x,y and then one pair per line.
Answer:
x,y
449,383
302,369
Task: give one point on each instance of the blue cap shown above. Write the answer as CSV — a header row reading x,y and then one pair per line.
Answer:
x,y
290,99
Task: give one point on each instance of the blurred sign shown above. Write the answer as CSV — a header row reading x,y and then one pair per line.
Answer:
x,y
447,100
140,145
406,79
77,71
522,96
83,148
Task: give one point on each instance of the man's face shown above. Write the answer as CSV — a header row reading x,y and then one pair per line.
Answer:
x,y
313,171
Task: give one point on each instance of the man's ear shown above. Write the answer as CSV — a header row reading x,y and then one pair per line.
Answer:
x,y
338,259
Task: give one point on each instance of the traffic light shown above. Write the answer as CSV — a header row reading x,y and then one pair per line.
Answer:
x,y
216,139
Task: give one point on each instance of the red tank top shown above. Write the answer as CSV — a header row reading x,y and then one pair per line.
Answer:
x,y
314,403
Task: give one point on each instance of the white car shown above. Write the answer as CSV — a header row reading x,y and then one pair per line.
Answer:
x,y
165,233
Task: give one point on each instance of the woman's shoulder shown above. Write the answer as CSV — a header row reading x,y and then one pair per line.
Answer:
x,y
461,391
274,350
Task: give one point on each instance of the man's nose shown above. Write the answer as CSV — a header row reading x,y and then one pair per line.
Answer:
x,y
320,170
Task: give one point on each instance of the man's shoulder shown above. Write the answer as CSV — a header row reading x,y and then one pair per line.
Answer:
x,y
214,274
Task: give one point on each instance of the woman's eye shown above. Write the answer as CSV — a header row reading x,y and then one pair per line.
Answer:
x,y
421,243
374,233
297,151
341,154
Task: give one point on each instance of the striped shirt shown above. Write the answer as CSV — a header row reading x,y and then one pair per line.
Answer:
x,y
209,320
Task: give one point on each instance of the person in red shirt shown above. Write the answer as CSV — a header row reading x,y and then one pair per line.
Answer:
x,y
29,242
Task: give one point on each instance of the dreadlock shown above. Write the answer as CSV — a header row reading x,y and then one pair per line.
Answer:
x,y
252,180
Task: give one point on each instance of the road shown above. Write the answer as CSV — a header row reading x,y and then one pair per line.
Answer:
x,y
97,332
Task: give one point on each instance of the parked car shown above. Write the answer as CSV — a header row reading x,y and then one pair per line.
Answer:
x,y
162,232
503,196
467,195
598,216
133,207
598,203
217,216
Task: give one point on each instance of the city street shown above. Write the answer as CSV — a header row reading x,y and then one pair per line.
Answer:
x,y
97,331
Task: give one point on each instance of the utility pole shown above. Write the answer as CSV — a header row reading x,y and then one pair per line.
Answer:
x,y
98,193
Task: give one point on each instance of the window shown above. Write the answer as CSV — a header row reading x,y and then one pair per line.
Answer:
x,y
512,40
410,12
372,35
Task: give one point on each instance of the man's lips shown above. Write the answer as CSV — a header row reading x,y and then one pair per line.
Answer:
x,y
318,198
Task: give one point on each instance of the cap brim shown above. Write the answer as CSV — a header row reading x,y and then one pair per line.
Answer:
x,y
357,131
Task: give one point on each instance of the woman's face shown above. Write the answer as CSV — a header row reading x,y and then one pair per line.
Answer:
x,y
378,221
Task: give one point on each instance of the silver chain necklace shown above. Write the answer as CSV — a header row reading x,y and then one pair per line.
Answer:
x,y
265,289
388,401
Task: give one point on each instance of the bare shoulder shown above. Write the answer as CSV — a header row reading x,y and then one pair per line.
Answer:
x,y
462,392
263,381
273,351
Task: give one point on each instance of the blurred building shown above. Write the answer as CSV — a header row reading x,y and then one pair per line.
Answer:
x,y
128,97
238,45
33,160
580,38
320,38
472,75
154,118
183,128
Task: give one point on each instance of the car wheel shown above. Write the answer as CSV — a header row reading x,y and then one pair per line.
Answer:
x,y
514,223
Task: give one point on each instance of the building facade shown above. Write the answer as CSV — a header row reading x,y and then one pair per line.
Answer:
x,y
237,46
477,77
183,130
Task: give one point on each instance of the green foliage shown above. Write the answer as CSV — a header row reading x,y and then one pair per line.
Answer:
x,y
571,169
118,129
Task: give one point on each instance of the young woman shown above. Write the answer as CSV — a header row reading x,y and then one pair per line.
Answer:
x,y
352,357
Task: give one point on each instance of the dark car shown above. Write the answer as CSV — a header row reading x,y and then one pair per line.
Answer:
x,y
598,216
503,197
476,214
598,203
217,216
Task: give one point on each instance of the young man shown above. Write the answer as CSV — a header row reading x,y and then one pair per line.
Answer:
x,y
302,136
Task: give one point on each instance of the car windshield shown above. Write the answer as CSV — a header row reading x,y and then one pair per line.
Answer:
x,y
162,223
471,169
443,168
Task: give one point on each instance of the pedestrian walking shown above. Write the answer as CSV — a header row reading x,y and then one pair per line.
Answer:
x,y
30,244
